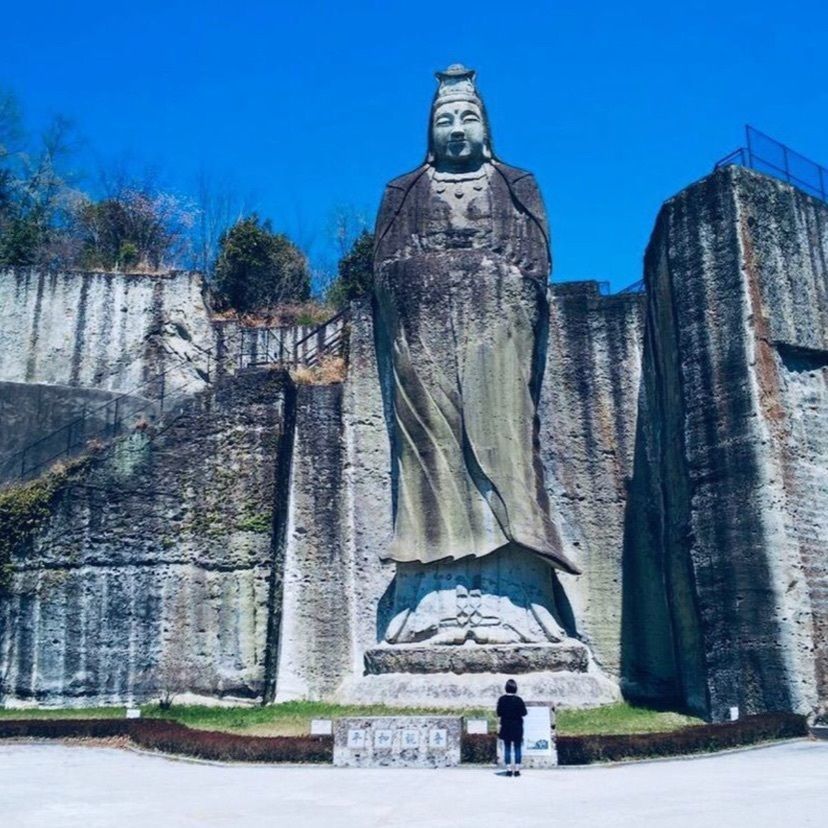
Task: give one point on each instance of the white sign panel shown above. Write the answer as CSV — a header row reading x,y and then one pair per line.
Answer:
x,y
321,727
477,726
537,727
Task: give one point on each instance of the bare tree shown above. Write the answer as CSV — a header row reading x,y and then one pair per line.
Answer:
x,y
346,223
218,207
137,224
36,188
12,134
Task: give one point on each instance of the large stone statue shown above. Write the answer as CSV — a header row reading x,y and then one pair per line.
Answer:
x,y
461,267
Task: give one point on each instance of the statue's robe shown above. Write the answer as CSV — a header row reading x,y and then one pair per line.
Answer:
x,y
461,305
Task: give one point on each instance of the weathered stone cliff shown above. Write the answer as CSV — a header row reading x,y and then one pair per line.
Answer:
x,y
232,546
72,341
155,572
588,419
41,422
110,331
315,587
726,571
339,524
120,331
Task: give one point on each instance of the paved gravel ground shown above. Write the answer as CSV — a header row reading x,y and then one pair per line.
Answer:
x,y
63,786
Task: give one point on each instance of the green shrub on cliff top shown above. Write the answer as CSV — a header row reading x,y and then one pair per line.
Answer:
x,y
258,269
355,274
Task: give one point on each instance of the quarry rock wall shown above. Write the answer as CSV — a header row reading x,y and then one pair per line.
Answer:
x,y
725,558
369,491
317,586
109,331
588,419
233,545
40,422
150,339
119,331
314,633
154,573
337,588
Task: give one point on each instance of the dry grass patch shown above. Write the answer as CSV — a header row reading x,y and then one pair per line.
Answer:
x,y
308,314
329,371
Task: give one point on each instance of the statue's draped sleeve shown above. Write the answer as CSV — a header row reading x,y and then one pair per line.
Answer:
x,y
526,193
392,202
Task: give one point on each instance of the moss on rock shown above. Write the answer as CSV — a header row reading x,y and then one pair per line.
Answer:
x,y
24,508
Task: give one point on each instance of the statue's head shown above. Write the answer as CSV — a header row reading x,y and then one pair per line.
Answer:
x,y
458,135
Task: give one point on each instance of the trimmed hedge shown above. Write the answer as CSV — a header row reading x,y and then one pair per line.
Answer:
x,y
583,750
63,728
478,748
172,737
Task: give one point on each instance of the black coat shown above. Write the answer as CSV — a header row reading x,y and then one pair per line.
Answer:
x,y
511,710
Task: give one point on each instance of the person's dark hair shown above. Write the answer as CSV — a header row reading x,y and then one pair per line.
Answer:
x,y
511,686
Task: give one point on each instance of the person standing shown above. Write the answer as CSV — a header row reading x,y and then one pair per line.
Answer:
x,y
510,710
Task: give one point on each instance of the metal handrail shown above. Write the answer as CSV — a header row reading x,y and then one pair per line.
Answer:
x,y
323,325
115,426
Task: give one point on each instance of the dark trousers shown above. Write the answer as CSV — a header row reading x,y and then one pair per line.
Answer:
x,y
508,744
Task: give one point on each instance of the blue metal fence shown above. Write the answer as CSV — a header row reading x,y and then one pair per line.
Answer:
x,y
765,154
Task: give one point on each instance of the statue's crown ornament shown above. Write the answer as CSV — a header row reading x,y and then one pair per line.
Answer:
x,y
456,84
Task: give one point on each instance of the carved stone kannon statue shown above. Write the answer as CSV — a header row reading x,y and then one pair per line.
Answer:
x,y
461,268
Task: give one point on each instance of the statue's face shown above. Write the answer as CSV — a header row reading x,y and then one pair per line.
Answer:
x,y
458,135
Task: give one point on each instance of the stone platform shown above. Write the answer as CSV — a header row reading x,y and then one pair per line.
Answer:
x,y
453,691
569,656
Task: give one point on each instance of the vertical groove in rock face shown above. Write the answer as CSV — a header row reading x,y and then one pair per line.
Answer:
x,y
314,651
281,516
33,333
79,338
369,489
667,657
153,572
735,270
587,413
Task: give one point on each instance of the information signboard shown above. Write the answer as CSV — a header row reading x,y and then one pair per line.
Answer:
x,y
537,731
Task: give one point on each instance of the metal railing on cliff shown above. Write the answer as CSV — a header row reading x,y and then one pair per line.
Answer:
x,y
258,347
765,154
271,349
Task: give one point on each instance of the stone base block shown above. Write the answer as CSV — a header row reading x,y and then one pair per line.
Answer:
x,y
448,690
569,656
397,741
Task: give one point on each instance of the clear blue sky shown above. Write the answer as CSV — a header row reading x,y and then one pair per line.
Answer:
x,y
614,106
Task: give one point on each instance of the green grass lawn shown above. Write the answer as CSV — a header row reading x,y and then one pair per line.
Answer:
x,y
293,718
286,719
621,718
63,713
